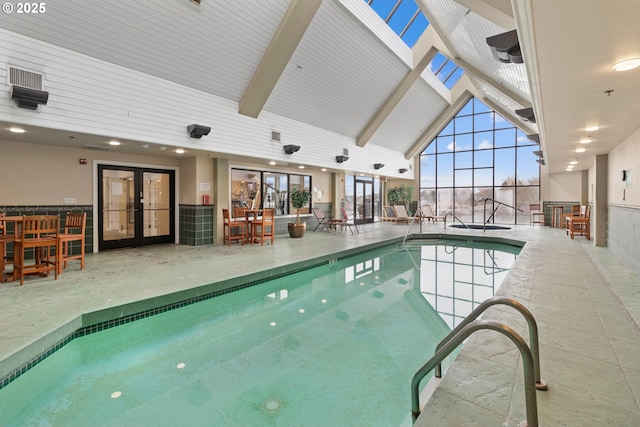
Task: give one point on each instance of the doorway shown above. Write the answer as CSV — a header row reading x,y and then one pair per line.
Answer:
x,y
135,206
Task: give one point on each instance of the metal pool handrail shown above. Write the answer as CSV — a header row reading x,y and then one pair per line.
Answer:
x,y
454,217
527,363
484,224
533,333
413,220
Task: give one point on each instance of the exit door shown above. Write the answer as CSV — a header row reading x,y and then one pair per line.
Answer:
x,y
136,206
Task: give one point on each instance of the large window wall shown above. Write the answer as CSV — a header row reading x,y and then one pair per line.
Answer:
x,y
480,155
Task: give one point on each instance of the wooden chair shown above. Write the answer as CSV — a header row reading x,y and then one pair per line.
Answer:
x,y
346,222
74,231
264,227
231,226
40,233
536,214
4,239
575,211
580,225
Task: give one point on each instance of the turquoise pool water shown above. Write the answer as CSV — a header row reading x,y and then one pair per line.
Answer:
x,y
335,345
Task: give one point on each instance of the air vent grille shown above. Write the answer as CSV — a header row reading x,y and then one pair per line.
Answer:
x,y
95,147
25,78
275,136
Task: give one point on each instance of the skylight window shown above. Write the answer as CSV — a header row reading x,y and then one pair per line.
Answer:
x,y
404,17
448,72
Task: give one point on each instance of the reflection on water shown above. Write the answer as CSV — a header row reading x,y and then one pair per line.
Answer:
x,y
346,336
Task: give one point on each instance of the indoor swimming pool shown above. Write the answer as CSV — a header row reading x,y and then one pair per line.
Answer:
x,y
335,345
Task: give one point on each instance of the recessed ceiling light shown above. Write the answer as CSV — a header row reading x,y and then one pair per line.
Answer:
x,y
569,169
627,64
301,167
573,162
114,142
592,128
585,141
272,162
323,169
179,151
581,150
16,130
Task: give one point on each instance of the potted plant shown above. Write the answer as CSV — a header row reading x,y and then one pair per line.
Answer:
x,y
400,195
298,198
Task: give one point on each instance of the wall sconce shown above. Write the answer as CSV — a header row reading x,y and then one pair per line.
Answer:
x,y
505,47
378,165
197,131
290,149
402,170
29,98
526,114
341,159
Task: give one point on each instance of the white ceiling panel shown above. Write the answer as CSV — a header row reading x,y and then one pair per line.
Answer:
x,y
213,47
340,70
415,113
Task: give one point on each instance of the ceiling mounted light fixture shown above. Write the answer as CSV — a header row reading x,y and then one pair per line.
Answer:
x,y
580,150
586,140
592,128
538,153
342,159
541,161
627,64
534,137
402,170
378,165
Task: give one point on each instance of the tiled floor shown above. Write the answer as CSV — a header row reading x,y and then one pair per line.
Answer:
x,y
586,303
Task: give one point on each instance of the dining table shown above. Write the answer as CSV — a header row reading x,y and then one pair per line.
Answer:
x,y
251,215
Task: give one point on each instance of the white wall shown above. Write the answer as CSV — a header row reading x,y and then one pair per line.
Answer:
x,y
91,96
625,156
565,186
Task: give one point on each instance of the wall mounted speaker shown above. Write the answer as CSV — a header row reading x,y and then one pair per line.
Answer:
x,y
290,149
28,98
197,131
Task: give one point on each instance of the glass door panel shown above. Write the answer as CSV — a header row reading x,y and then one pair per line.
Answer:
x,y
136,207
118,205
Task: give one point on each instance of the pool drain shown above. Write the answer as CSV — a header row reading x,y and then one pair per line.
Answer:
x,y
272,405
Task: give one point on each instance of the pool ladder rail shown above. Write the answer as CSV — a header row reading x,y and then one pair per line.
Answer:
x,y
530,356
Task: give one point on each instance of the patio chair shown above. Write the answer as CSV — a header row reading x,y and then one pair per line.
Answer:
x,y
580,225
74,231
324,222
346,222
537,214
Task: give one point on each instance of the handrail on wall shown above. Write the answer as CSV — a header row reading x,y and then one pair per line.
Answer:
x,y
530,357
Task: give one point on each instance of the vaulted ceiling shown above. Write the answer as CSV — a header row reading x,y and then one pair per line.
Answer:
x,y
336,65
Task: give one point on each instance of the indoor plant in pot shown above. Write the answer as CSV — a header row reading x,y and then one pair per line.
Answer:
x,y
298,198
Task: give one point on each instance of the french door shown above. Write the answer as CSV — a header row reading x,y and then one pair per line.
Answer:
x,y
135,206
363,201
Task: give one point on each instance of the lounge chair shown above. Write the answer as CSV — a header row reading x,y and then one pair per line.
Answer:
x,y
428,213
402,214
389,214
